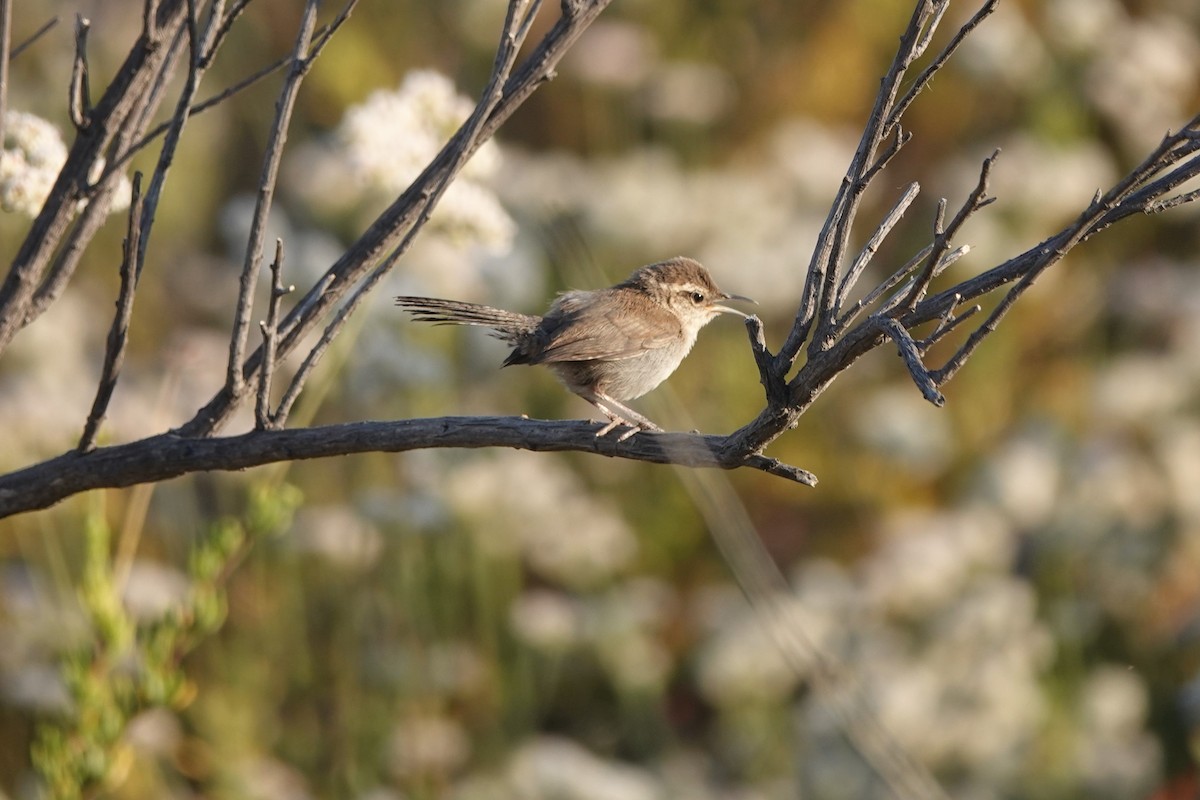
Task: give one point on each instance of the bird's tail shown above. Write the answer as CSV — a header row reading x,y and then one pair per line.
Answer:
x,y
507,325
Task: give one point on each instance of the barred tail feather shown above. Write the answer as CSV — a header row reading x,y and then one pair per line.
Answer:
x,y
507,325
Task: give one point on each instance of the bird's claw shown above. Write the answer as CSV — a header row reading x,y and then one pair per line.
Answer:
x,y
634,427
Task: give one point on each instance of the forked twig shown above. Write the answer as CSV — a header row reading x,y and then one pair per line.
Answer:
x,y
199,108
944,234
926,75
912,360
263,416
947,323
266,192
773,383
79,105
816,319
885,227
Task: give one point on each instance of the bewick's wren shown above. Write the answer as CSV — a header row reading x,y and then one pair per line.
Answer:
x,y
607,345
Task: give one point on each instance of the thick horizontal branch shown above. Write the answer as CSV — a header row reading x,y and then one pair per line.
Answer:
x,y
168,455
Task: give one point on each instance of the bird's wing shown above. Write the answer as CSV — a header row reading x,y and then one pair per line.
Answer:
x,y
577,329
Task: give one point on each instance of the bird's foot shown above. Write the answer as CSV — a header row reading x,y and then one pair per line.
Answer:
x,y
615,422
618,415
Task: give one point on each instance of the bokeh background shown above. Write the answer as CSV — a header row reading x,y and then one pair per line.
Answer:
x,y
1014,579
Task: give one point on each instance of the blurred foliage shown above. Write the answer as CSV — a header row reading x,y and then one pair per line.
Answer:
x,y
1012,577
131,667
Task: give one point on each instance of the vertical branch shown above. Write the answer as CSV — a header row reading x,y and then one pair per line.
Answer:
x,y
927,74
150,20
5,44
817,305
79,103
944,234
263,418
872,246
179,119
234,381
824,293
161,79
118,334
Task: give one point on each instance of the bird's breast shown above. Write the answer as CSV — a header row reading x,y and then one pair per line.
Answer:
x,y
626,378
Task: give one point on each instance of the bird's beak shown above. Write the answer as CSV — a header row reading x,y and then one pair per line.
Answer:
x,y
727,309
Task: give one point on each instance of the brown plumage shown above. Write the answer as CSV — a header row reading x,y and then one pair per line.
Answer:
x,y
605,345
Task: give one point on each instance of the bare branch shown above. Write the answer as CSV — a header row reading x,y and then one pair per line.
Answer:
x,y
912,360
32,39
125,96
944,234
263,417
927,74
150,28
223,26
5,44
200,107
321,37
901,138
325,34
947,260
954,364
1159,206
210,42
80,102
883,288
930,17
98,196
773,382
118,334
168,455
872,246
946,324
179,119
1138,191
817,312
266,193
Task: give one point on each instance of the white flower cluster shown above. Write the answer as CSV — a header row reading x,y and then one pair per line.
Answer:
x,y
427,744
624,627
944,643
553,766
32,155
563,533
390,138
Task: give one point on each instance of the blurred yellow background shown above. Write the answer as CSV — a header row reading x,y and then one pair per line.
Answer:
x,y
1011,578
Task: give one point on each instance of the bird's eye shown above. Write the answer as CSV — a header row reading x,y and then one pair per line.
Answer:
x,y
697,297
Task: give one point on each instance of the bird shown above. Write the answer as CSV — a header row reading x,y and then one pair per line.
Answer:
x,y
607,346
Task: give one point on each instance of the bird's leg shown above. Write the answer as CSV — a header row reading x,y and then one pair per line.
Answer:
x,y
618,414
